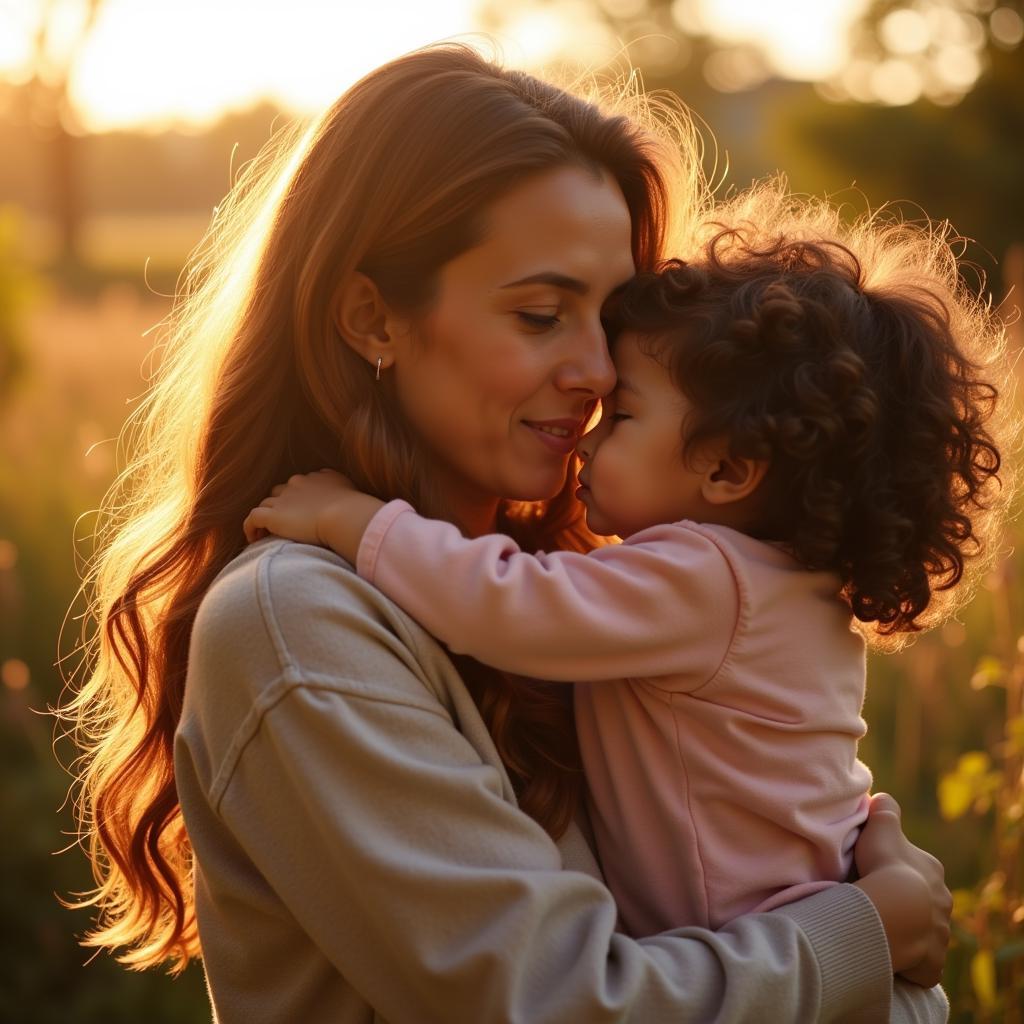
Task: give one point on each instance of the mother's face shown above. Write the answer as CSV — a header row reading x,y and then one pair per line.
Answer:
x,y
501,375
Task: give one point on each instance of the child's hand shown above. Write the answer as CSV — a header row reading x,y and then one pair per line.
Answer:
x,y
315,508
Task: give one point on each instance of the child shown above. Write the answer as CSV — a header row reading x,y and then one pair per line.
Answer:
x,y
801,440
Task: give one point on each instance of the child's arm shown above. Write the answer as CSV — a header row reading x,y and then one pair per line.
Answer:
x,y
665,603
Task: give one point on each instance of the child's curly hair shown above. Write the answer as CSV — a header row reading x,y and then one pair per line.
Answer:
x,y
855,360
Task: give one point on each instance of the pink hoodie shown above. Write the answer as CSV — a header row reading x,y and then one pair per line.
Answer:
x,y
718,697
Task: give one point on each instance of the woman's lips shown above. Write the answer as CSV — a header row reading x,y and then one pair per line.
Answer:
x,y
558,435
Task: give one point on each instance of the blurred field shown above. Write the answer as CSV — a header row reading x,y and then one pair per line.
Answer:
x,y
143,250
56,459
87,356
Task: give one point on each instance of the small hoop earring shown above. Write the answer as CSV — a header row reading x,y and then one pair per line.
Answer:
x,y
380,359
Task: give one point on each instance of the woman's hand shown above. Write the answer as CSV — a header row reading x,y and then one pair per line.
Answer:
x,y
315,508
908,890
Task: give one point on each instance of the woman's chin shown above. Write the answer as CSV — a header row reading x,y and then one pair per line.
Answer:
x,y
539,488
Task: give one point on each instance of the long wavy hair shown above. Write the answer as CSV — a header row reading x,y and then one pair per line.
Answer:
x,y
254,384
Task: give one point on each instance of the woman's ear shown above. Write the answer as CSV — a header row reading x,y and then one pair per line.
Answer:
x,y
729,479
362,319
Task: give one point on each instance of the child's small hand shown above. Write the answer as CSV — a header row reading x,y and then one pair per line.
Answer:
x,y
314,508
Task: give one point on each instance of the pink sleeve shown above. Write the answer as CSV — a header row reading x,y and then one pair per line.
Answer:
x,y
665,603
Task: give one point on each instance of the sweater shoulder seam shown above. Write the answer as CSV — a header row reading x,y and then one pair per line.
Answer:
x,y
283,685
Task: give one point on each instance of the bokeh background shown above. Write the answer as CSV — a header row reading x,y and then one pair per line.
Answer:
x,y
123,123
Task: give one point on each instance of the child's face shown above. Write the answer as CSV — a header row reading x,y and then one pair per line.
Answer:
x,y
634,475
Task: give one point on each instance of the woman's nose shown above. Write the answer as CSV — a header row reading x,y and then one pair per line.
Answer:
x,y
589,367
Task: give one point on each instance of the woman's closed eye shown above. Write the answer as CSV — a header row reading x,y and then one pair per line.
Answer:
x,y
539,321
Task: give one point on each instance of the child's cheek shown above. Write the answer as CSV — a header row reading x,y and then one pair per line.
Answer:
x,y
607,473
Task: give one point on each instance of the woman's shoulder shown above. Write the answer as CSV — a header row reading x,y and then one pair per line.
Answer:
x,y
284,609
277,576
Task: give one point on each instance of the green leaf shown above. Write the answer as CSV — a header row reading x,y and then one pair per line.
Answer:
x,y
983,978
988,672
973,764
964,902
955,795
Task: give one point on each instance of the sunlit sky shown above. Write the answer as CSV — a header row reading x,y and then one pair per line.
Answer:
x,y
153,61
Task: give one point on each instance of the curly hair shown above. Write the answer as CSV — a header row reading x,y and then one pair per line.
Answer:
x,y
855,361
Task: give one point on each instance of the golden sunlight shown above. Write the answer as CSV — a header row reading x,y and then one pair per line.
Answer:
x,y
149,64
152,63
802,38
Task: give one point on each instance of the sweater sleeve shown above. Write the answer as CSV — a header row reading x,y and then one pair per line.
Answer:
x,y
664,603
396,849
912,1004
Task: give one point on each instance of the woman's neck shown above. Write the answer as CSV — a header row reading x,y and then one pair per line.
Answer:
x,y
472,510
477,518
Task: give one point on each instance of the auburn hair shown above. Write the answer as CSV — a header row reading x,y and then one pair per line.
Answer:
x,y
853,358
255,384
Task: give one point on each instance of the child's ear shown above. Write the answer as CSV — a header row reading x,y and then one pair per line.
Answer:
x,y
730,479
364,320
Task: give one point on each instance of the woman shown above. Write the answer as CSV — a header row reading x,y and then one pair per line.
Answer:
x,y
377,833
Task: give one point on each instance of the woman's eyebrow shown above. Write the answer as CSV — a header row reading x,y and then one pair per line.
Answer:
x,y
569,284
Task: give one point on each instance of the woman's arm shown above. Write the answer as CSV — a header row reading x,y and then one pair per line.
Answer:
x,y
907,886
395,846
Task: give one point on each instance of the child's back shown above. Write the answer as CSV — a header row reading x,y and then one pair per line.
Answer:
x,y
735,786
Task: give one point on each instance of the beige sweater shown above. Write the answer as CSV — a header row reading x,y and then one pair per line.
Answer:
x,y
359,856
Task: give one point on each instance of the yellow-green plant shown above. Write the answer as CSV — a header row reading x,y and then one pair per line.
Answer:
x,y
988,919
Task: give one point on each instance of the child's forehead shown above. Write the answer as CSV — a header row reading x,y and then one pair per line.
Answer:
x,y
626,346
631,348
637,365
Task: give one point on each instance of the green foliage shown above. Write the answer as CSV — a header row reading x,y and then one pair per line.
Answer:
x,y
989,785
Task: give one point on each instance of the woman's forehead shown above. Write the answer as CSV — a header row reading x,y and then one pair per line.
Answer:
x,y
569,223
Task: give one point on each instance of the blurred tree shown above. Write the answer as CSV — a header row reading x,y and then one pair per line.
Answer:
x,y
179,170
963,162
901,50
58,44
897,50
